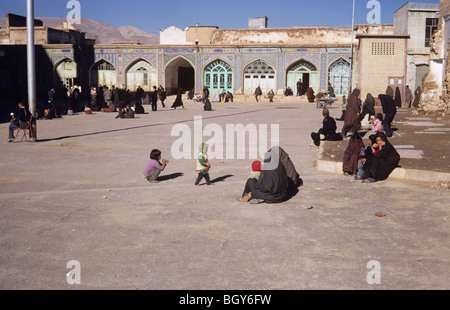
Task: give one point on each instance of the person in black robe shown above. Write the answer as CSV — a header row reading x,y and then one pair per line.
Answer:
x,y
310,94
154,99
178,101
277,181
384,161
139,109
398,98
328,130
417,94
352,154
389,111
368,107
116,96
162,95
139,94
205,99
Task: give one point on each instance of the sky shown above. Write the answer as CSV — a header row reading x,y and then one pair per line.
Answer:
x,y
153,16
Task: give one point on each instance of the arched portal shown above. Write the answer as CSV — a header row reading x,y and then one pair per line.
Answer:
x,y
339,77
103,73
179,73
141,73
305,71
259,73
218,75
66,73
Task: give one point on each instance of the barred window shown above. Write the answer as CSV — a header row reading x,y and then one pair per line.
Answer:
x,y
383,48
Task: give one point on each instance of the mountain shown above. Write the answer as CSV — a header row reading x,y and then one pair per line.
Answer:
x,y
101,32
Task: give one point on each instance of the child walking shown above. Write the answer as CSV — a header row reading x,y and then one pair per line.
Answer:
x,y
203,165
154,167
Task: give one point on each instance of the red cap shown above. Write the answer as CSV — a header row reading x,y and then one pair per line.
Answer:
x,y
256,165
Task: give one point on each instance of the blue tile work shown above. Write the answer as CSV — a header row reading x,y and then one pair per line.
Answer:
x,y
293,58
129,59
238,74
323,71
281,74
199,71
111,58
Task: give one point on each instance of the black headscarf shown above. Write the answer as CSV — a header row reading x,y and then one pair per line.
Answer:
x,y
385,161
273,182
398,98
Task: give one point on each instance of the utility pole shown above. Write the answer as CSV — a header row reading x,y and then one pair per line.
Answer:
x,y
31,65
351,59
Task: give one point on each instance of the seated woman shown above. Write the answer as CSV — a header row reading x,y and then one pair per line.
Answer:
x,y
353,154
277,181
385,160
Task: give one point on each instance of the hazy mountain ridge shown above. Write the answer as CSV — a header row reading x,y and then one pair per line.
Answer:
x,y
101,32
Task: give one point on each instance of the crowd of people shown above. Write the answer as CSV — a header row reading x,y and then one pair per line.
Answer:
x,y
378,159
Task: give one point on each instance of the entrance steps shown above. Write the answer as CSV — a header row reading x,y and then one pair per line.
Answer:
x,y
276,98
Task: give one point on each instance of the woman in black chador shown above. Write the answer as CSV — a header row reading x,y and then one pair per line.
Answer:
x,y
278,181
384,162
178,102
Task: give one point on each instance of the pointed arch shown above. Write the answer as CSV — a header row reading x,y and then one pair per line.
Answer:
x,y
305,72
140,72
65,72
259,73
218,76
179,72
103,73
339,76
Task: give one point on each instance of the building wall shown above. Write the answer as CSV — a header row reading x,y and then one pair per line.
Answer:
x,y
401,21
202,34
377,66
172,35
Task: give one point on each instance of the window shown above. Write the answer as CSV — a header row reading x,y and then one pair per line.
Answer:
x,y
383,48
430,28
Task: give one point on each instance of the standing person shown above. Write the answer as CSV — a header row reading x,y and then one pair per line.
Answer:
x,y
328,130
75,99
417,94
162,95
22,116
178,101
100,99
127,99
139,94
107,95
271,94
330,91
389,111
352,111
203,165
205,99
154,99
115,97
353,154
408,97
368,109
93,103
299,88
51,102
398,98
258,93
384,161
154,167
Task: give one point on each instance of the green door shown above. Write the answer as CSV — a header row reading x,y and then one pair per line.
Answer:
x,y
218,76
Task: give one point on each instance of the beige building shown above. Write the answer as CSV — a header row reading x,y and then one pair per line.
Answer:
x,y
381,63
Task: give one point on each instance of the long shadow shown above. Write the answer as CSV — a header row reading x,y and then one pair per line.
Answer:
x,y
170,176
222,178
139,127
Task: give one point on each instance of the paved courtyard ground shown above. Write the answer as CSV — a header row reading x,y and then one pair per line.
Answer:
x,y
78,195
